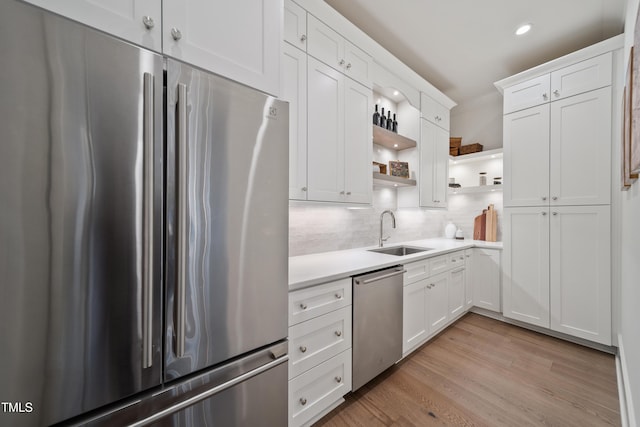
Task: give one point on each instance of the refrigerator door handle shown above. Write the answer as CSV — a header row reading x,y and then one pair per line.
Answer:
x,y
147,239
182,220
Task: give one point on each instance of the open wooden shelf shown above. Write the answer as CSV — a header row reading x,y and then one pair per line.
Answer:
x,y
475,189
392,181
391,139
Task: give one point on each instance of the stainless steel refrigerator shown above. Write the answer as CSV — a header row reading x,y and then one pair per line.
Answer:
x,y
143,235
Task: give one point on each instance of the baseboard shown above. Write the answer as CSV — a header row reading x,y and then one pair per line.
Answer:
x,y
627,413
559,335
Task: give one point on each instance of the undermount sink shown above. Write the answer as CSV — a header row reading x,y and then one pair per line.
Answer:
x,y
400,250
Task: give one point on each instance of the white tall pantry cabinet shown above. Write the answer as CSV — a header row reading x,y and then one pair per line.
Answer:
x,y
557,193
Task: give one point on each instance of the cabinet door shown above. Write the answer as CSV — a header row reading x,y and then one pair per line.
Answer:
x,y
325,132
526,157
357,140
358,64
456,292
581,272
437,302
294,90
580,160
240,40
584,76
415,323
325,44
124,18
525,280
468,278
486,279
434,163
527,94
434,112
295,25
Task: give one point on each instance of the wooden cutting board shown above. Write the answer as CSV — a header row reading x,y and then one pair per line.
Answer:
x,y
491,232
479,226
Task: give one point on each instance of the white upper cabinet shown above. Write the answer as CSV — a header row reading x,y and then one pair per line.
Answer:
x,y
293,88
526,157
295,25
138,21
527,94
334,50
240,40
581,77
434,112
434,165
581,272
580,153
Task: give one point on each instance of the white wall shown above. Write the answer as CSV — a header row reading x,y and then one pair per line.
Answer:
x,y
479,121
629,316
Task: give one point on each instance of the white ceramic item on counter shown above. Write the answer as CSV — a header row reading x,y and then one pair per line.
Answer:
x,y
450,230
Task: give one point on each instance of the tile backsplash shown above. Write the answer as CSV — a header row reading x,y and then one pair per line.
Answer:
x,y
317,228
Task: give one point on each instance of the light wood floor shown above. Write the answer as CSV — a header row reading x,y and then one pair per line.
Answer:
x,y
487,373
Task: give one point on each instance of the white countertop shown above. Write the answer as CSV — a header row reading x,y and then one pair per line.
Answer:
x,y
313,269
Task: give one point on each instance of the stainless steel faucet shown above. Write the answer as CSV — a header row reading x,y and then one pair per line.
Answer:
x,y
393,218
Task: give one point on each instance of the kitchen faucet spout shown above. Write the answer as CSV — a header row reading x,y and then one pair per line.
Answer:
x,y
381,240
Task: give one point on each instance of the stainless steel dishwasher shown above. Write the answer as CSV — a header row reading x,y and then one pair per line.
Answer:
x,y
377,323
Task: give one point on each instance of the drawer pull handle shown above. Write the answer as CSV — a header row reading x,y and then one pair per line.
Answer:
x,y
338,379
303,349
461,258
303,401
303,306
338,333
338,296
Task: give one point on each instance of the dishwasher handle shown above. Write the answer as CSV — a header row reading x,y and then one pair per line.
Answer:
x,y
383,276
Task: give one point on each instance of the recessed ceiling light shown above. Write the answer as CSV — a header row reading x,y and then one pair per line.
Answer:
x,y
395,145
523,29
395,93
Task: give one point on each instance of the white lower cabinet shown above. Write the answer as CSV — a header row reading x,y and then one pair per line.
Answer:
x,y
438,302
319,349
311,393
456,292
415,326
468,279
485,278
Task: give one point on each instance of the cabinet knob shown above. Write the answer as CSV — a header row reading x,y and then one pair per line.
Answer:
x,y
462,258
338,296
148,22
556,92
554,198
338,333
303,349
544,198
304,188
303,401
544,214
349,66
303,38
555,213
348,193
338,379
303,306
545,96
341,62
342,192
176,34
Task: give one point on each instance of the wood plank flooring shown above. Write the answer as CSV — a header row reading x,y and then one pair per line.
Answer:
x,y
483,372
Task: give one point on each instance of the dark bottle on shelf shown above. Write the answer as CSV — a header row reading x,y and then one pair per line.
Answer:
x,y
383,119
394,127
389,121
376,117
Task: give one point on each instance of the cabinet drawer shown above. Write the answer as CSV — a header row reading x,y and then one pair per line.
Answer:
x,y
456,259
438,264
582,77
316,390
308,303
316,340
415,271
527,94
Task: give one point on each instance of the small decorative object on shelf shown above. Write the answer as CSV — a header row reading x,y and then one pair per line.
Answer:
x,y
394,127
399,169
497,180
380,168
383,119
471,148
483,178
454,145
389,121
376,117
459,235
453,184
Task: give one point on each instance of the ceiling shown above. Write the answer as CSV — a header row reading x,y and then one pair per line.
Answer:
x,y
463,46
